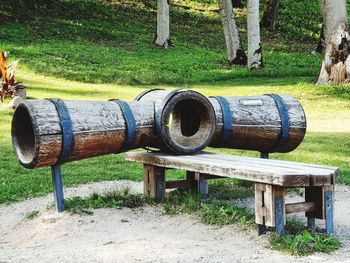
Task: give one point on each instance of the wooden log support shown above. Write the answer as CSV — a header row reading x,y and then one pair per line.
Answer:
x,y
57,187
154,181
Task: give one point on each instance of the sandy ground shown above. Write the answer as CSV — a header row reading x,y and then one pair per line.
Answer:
x,y
142,235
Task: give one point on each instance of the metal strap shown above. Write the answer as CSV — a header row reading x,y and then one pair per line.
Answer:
x,y
285,124
138,97
227,119
67,130
130,124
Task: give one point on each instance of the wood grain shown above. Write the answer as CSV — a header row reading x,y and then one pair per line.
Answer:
x,y
267,171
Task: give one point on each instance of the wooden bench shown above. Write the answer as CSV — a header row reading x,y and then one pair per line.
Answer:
x,y
271,178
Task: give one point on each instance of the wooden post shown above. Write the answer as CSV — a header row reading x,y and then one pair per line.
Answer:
x,y
202,186
57,187
190,178
311,224
279,215
328,209
264,155
154,181
262,226
269,207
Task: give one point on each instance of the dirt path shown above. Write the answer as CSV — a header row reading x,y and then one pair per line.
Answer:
x,y
141,235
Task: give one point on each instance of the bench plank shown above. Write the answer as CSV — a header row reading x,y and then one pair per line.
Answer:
x,y
266,171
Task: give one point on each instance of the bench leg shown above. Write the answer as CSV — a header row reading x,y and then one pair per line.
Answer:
x,y
261,229
311,225
190,178
279,215
57,187
328,208
154,181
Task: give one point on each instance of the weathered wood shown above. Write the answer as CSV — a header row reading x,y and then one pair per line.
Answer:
x,y
265,203
176,184
300,207
246,168
154,181
99,128
256,122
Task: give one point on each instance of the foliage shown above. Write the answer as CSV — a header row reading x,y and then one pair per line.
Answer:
x,y
9,86
299,241
115,199
32,214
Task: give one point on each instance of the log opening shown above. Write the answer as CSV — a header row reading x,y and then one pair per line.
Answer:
x,y
187,121
23,137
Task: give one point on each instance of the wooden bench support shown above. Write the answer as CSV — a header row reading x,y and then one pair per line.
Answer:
x,y
328,207
271,178
269,207
154,181
155,184
57,187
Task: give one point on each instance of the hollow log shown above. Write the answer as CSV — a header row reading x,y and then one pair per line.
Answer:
x,y
185,125
253,122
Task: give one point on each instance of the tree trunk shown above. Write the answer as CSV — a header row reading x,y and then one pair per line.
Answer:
x,y
163,24
253,28
235,52
269,19
321,47
336,65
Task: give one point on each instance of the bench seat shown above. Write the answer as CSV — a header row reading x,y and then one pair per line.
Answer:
x,y
271,178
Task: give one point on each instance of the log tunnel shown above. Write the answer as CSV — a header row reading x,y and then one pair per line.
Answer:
x,y
267,123
50,132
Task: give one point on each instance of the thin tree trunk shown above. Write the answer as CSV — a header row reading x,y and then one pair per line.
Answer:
x,y
253,28
235,52
336,64
269,19
163,24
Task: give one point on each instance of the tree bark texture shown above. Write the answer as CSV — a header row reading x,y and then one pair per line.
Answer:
x,y
253,28
235,52
336,65
269,19
163,24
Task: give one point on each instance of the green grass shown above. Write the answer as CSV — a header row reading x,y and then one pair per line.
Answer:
x,y
69,52
32,214
115,199
298,241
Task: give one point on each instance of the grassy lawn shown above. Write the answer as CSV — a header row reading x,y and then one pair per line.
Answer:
x,y
66,51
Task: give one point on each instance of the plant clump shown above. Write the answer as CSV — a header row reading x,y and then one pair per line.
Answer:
x,y
9,87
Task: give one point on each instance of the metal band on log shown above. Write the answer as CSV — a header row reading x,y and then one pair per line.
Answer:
x,y
267,123
40,128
